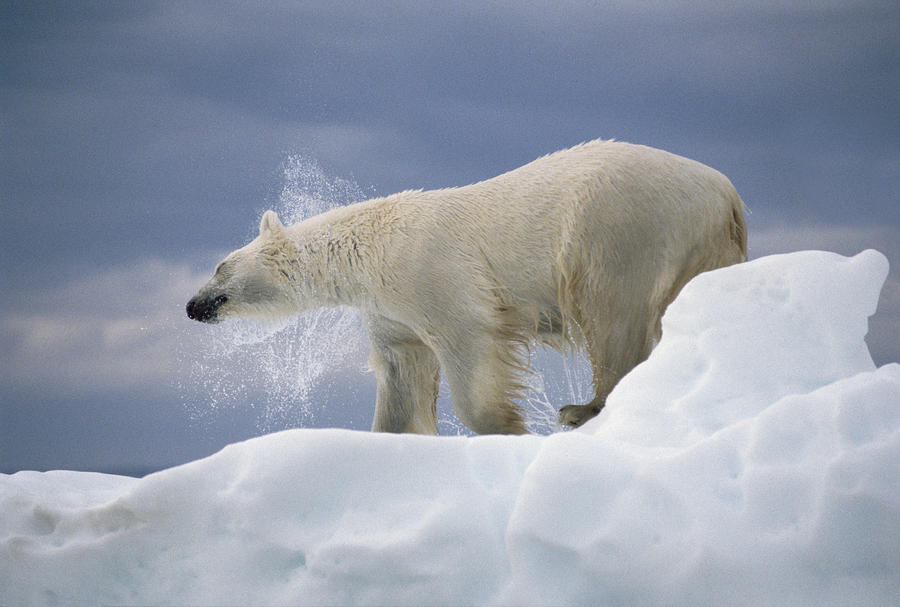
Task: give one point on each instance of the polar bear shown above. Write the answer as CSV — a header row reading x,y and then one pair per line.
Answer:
x,y
583,248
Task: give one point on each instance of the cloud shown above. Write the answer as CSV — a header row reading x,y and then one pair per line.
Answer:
x,y
123,331
106,372
118,329
172,107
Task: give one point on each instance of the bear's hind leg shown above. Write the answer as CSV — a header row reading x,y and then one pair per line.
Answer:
x,y
613,351
575,415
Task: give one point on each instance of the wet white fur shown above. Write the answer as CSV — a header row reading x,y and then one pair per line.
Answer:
x,y
582,248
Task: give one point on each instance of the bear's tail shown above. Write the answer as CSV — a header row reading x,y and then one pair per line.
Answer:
x,y
739,226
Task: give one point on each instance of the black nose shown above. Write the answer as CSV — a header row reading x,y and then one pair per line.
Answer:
x,y
205,309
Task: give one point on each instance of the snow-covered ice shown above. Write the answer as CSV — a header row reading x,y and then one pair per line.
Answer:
x,y
753,459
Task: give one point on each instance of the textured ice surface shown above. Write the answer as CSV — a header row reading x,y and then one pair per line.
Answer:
x,y
754,458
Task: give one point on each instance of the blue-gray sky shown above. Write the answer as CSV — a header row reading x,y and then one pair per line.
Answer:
x,y
140,140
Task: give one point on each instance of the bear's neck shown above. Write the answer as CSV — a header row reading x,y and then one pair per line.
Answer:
x,y
335,253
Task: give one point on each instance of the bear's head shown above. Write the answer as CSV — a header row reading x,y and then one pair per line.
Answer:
x,y
256,281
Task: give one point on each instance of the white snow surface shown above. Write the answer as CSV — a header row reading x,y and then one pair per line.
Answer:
x,y
753,459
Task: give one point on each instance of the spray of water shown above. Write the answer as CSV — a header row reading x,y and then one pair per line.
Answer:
x,y
276,367
279,369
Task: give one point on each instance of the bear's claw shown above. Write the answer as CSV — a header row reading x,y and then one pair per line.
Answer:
x,y
577,415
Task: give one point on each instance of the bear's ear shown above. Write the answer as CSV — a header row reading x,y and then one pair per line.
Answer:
x,y
270,224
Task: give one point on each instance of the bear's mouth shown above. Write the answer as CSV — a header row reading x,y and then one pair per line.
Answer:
x,y
205,309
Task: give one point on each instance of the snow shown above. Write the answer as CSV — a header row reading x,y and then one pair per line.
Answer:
x,y
754,458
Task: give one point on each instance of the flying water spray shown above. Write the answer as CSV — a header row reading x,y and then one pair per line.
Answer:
x,y
278,367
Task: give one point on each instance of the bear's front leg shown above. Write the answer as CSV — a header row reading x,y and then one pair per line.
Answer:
x,y
407,375
484,377
407,387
